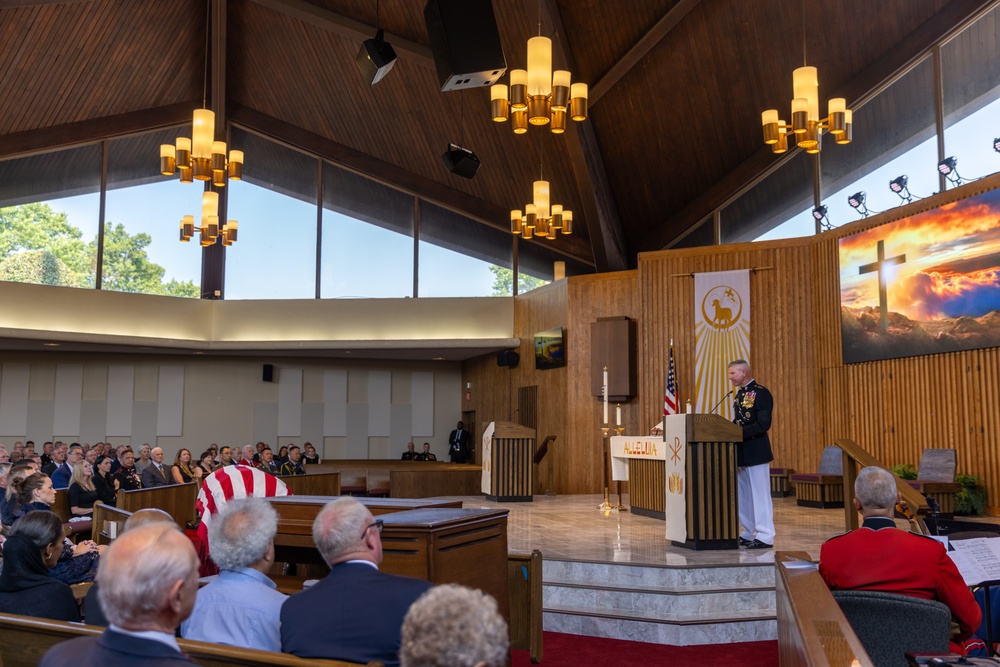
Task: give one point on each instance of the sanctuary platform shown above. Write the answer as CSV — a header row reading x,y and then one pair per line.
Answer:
x,y
614,574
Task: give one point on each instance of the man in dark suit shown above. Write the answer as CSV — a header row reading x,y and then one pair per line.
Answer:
x,y
458,444
356,612
752,407
64,472
155,474
149,581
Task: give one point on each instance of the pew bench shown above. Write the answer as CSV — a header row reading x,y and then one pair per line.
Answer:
x,y
177,500
824,489
780,486
403,479
24,640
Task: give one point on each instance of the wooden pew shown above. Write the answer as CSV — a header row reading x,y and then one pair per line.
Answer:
x,y
177,500
524,579
76,529
24,640
316,484
812,630
104,516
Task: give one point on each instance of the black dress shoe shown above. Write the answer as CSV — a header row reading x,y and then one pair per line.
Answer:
x,y
757,544
744,542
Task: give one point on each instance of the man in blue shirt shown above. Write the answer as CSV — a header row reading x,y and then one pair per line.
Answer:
x,y
241,607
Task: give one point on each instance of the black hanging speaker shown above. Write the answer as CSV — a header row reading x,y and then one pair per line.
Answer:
x,y
460,161
268,375
376,58
465,41
509,358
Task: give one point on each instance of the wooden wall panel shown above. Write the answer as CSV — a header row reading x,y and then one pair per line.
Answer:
x,y
591,297
894,408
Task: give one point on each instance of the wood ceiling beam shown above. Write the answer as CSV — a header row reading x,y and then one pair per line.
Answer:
x,y
16,4
574,247
600,212
667,23
349,28
84,132
860,88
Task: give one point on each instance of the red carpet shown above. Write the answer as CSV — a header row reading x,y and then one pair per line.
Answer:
x,y
578,651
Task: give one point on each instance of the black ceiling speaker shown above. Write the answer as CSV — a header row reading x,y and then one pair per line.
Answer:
x,y
465,41
376,58
460,161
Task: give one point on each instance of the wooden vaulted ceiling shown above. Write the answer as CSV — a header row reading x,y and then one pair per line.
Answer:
x,y
677,87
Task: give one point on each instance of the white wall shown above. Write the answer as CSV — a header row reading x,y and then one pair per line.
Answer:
x,y
346,409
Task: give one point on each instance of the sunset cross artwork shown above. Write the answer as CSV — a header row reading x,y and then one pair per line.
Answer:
x,y
937,287
881,266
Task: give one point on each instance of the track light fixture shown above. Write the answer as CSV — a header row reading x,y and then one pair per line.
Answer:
x,y
949,167
857,202
996,144
819,215
899,186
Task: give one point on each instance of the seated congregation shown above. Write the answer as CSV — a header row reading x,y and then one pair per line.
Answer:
x,y
145,587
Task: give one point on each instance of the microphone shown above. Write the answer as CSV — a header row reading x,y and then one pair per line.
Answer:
x,y
728,394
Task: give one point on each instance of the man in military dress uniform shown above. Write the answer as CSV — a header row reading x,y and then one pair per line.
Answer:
x,y
753,407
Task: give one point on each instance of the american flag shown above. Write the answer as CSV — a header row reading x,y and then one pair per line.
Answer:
x,y
670,395
230,483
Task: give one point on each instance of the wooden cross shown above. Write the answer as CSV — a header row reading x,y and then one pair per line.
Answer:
x,y
878,265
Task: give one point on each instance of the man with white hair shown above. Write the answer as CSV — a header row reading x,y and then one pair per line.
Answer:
x,y
248,454
155,474
880,557
355,613
241,607
149,580
454,626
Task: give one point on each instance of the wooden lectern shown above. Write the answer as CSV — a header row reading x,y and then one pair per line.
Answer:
x,y
710,496
511,473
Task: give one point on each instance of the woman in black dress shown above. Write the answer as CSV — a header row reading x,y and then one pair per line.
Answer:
x,y
77,562
104,483
26,587
309,455
183,472
207,464
82,493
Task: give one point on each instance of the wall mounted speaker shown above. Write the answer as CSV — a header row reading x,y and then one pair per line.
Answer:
x,y
509,358
268,374
460,161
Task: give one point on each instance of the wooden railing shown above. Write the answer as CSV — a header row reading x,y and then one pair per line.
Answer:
x,y
812,630
854,456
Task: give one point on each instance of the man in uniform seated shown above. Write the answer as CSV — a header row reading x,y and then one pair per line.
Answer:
x,y
356,612
293,466
880,557
149,579
409,454
426,455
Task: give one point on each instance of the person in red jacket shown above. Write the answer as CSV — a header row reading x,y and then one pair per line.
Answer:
x,y
880,557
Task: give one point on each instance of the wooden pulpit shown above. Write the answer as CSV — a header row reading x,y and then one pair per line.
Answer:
x,y
710,493
511,474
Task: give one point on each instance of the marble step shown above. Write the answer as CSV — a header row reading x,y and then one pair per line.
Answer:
x,y
680,605
668,604
628,575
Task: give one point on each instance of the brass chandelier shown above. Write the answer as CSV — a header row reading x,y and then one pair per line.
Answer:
x,y
537,95
541,218
210,231
806,124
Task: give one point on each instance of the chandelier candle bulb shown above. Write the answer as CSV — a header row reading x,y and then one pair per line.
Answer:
x,y
187,228
209,205
557,211
567,222
518,89
499,106
835,109
236,165
168,157
540,198
782,144
515,221
519,119
234,226
539,67
558,125
800,117
578,101
212,224
805,84
560,89
202,133
530,214
769,121
845,136
526,231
